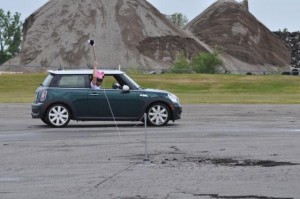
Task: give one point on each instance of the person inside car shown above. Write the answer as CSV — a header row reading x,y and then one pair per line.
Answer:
x,y
97,78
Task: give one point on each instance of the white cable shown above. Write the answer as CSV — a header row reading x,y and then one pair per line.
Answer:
x,y
111,52
113,116
111,60
140,120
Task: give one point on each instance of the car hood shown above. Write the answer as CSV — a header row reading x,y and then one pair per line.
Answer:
x,y
155,90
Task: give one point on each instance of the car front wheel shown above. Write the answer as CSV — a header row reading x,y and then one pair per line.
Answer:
x,y
58,115
44,120
158,114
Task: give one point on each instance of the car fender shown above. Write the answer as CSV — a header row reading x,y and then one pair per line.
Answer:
x,y
64,102
158,100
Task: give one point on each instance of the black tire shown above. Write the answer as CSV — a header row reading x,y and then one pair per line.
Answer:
x,y
45,121
295,72
58,115
158,114
286,73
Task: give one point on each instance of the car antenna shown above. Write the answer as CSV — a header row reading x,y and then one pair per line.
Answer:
x,y
60,68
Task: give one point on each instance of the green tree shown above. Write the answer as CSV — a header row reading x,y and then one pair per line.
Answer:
x,y
205,63
202,63
285,30
10,35
178,18
181,65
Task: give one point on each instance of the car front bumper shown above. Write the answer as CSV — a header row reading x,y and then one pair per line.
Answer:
x,y
177,110
37,110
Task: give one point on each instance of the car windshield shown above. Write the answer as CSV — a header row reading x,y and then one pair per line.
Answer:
x,y
47,81
132,81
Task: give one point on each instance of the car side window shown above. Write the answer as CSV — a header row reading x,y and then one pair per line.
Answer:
x,y
110,82
72,81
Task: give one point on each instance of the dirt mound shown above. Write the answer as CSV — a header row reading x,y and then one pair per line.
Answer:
x,y
245,43
132,33
58,33
168,48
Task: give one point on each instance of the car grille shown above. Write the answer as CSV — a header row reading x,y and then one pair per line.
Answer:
x,y
35,111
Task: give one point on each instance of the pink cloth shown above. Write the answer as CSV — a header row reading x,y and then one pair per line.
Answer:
x,y
100,74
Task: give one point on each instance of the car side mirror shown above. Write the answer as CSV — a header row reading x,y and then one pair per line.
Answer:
x,y
116,86
125,88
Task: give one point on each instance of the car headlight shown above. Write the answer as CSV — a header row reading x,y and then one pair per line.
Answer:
x,y
173,98
43,95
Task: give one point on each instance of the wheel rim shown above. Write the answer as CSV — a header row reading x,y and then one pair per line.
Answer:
x,y
158,115
58,115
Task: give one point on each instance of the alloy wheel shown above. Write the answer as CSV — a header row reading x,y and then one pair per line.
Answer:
x,y
58,116
158,115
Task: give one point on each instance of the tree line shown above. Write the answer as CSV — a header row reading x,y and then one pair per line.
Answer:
x,y
10,35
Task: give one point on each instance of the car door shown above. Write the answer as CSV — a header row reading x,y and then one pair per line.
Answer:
x,y
97,104
109,103
72,90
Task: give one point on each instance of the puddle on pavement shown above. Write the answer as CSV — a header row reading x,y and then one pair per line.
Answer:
x,y
237,197
173,158
230,162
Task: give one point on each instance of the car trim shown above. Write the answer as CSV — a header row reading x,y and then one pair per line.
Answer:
x,y
84,72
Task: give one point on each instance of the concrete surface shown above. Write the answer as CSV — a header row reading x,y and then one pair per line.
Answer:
x,y
214,151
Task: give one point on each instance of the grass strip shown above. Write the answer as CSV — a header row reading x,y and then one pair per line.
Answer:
x,y
190,88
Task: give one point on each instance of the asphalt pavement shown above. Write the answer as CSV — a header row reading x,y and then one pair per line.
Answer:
x,y
214,151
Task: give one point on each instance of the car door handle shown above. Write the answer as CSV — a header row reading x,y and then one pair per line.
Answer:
x,y
93,94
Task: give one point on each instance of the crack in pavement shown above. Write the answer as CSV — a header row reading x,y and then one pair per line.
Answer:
x,y
107,179
112,176
238,197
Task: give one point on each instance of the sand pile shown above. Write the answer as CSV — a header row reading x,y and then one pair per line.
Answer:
x,y
245,43
123,30
134,34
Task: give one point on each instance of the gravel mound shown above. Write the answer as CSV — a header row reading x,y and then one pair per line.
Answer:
x,y
134,34
245,43
58,32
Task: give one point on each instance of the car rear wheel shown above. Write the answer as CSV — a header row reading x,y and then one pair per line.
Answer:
x,y
158,114
58,115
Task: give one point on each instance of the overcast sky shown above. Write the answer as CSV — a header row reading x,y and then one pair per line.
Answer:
x,y
275,14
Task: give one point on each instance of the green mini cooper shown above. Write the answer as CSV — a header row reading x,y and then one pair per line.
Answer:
x,y
67,95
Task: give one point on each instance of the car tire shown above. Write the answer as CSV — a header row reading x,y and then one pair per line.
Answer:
x,y
58,115
158,114
45,121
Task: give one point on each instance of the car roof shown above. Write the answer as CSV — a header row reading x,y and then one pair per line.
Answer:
x,y
84,72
